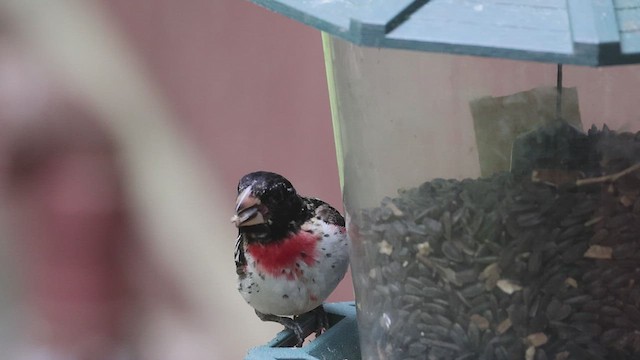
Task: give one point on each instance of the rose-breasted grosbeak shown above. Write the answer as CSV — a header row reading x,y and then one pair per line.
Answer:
x,y
291,251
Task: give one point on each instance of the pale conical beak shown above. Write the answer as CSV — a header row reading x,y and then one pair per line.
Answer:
x,y
247,213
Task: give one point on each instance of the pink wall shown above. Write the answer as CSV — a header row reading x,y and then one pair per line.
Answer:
x,y
248,85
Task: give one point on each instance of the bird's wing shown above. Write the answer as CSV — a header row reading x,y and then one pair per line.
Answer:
x,y
325,211
240,259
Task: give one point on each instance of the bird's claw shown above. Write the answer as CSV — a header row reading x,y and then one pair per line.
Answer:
x,y
288,323
296,328
322,320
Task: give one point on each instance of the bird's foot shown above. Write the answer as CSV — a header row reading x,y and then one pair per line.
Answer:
x,y
288,323
322,320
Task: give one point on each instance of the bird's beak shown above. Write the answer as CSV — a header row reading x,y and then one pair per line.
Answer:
x,y
247,212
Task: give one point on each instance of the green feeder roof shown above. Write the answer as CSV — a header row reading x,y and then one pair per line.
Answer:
x,y
583,32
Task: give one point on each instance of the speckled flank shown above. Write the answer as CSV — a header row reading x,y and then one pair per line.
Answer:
x,y
305,283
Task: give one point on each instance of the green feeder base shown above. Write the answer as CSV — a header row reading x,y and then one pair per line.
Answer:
x,y
338,343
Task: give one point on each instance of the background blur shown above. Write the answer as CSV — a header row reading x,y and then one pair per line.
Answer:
x,y
124,127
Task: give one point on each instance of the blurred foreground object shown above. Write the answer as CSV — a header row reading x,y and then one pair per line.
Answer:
x,y
98,157
71,228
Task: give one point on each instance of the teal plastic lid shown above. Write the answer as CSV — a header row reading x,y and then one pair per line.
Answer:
x,y
582,32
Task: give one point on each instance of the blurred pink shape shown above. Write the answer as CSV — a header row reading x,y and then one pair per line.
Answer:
x,y
71,228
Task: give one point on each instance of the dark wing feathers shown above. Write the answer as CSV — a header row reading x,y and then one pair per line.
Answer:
x,y
241,260
325,211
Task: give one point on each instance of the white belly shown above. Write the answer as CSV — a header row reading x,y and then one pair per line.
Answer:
x,y
302,286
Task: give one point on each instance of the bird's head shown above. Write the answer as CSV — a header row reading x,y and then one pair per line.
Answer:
x,y
267,205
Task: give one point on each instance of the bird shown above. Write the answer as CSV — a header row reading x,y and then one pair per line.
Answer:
x,y
291,251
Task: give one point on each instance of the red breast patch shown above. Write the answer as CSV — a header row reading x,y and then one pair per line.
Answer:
x,y
280,258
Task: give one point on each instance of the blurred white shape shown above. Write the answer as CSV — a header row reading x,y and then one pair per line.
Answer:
x,y
172,192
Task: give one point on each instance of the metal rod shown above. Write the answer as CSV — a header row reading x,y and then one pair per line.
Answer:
x,y
559,93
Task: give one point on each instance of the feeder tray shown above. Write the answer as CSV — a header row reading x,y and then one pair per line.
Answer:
x,y
339,342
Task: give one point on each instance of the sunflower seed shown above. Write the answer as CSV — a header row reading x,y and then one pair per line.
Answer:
x,y
451,251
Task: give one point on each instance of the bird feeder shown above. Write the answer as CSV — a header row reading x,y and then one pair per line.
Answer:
x,y
490,159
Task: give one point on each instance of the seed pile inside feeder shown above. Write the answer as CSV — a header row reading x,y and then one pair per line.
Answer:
x,y
506,267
